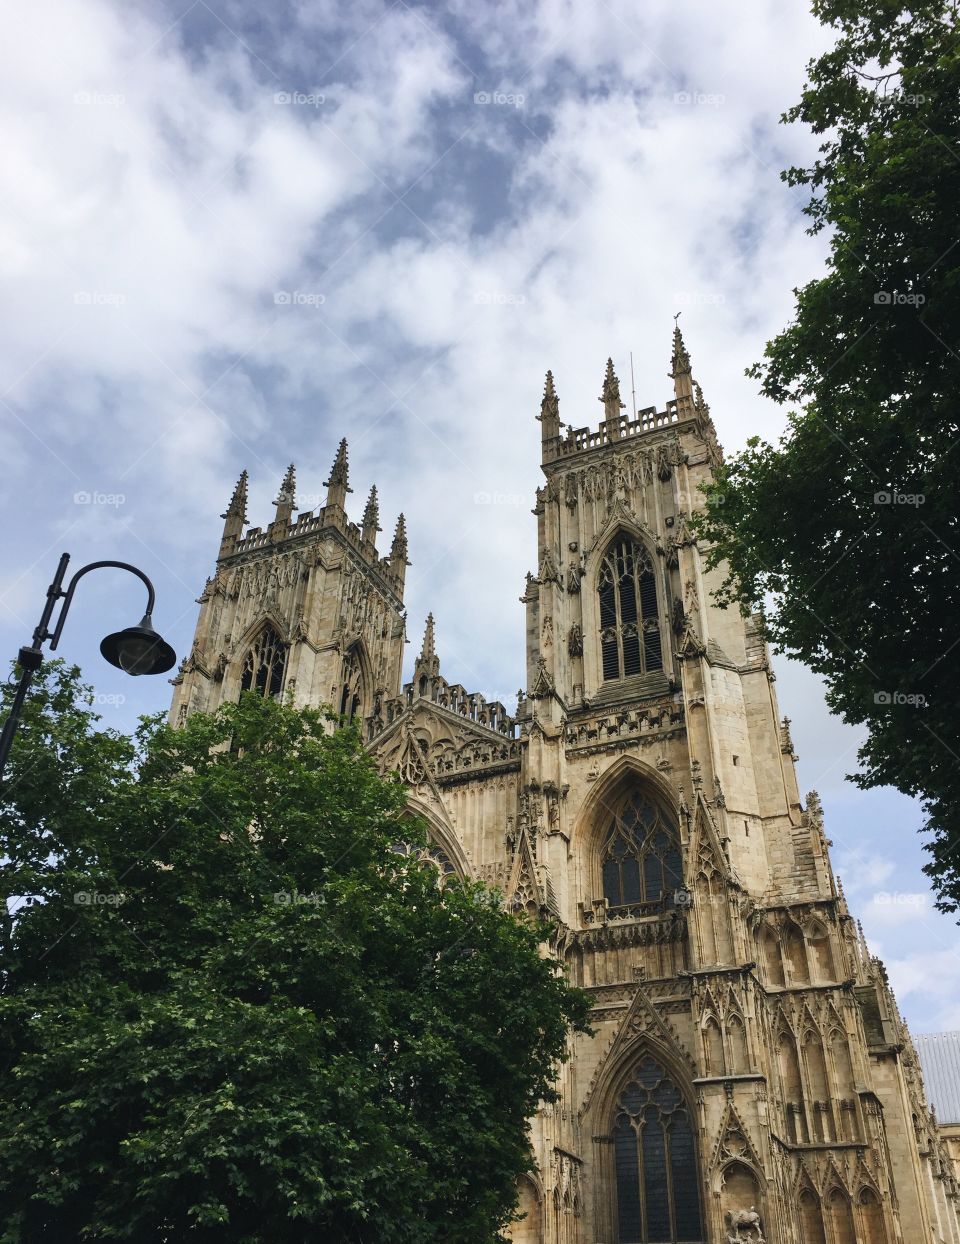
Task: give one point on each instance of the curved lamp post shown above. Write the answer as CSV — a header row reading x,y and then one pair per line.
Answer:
x,y
136,650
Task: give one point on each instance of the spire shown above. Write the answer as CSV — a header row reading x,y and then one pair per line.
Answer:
x,y
337,485
398,552
549,416
427,666
236,517
285,502
680,365
371,518
610,397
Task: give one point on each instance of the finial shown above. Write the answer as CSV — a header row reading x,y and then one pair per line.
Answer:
x,y
340,470
680,372
549,417
371,517
238,501
429,647
235,517
337,485
398,554
285,504
399,546
680,359
288,489
427,665
611,393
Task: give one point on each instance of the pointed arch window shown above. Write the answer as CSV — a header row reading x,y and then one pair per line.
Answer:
x,y
264,665
351,691
641,854
630,640
656,1167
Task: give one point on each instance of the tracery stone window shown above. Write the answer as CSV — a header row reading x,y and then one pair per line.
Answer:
x,y
630,640
655,1160
431,855
641,855
351,691
264,664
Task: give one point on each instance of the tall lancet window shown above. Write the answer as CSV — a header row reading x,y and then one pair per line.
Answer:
x,y
629,615
351,692
641,855
264,664
655,1161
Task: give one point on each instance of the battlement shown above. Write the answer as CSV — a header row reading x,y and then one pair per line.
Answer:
x,y
332,517
622,427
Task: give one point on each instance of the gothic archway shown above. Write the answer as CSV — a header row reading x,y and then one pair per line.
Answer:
x,y
641,865
656,1182
740,1190
529,1228
811,1218
629,610
354,684
443,851
264,663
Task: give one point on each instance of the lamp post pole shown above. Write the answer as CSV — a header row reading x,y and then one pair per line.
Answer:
x,y
136,650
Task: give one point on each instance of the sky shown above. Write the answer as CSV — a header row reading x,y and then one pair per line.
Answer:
x,y
231,234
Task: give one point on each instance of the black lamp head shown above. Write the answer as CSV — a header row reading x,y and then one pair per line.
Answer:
x,y
139,649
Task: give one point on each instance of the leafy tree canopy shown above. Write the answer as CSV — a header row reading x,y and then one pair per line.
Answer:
x,y
230,1010
845,533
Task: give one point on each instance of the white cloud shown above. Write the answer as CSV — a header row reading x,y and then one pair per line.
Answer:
x,y
459,248
929,979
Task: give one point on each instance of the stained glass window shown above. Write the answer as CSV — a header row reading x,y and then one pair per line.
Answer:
x,y
641,856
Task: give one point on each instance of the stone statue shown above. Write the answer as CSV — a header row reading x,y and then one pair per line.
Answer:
x,y
745,1225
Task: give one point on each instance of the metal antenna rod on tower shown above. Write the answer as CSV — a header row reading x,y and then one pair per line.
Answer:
x,y
633,392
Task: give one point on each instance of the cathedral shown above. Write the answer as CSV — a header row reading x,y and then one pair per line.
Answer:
x,y
749,1077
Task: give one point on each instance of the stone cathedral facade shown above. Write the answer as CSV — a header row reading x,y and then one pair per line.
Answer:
x,y
750,1077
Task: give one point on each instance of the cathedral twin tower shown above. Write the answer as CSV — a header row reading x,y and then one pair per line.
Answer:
x,y
749,1076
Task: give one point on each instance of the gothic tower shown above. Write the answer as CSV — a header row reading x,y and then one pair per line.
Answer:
x,y
307,607
749,1076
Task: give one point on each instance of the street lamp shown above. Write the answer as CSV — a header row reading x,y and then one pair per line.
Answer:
x,y
135,650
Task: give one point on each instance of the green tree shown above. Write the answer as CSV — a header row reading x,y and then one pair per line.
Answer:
x,y
845,533
231,1010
